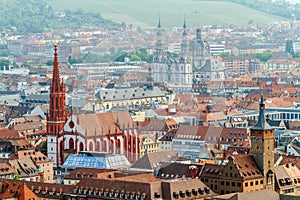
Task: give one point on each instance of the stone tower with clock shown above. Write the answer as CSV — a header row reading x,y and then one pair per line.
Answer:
x,y
262,146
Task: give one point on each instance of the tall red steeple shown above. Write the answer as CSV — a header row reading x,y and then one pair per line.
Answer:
x,y
57,115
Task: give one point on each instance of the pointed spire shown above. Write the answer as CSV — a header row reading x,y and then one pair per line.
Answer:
x,y
56,74
184,23
262,123
159,25
184,28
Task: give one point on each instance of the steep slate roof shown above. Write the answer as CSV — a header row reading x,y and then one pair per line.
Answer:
x,y
261,124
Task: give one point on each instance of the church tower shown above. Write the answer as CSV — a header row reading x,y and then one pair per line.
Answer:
x,y
57,115
262,146
184,44
150,79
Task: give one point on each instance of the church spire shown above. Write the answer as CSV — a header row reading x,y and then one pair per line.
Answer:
x,y
56,74
158,34
159,25
57,108
184,27
262,123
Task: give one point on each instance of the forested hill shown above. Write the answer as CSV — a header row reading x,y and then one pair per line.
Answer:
x,y
279,8
32,16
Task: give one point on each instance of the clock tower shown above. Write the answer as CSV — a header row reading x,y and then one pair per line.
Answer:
x,y
262,146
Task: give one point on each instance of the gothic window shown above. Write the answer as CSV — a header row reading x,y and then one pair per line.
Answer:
x,y
81,148
91,146
97,147
71,143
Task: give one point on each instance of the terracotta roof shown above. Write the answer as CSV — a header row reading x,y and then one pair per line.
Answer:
x,y
247,166
81,173
16,191
6,133
36,156
103,123
5,168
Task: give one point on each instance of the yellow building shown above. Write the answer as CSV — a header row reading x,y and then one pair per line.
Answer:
x,y
148,144
262,147
240,174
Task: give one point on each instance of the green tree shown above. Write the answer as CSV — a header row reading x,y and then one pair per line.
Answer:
x,y
43,148
289,47
16,176
121,58
93,58
265,56
134,58
4,63
49,62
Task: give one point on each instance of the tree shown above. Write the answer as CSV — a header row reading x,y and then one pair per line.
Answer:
x,y
4,63
134,58
43,148
49,62
265,56
289,47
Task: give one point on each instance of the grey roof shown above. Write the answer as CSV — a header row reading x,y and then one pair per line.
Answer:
x,y
262,123
128,93
38,97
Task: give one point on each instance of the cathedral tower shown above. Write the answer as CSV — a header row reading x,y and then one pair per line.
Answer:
x,y
262,146
57,115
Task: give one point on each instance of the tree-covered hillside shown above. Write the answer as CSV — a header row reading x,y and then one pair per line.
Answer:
x,y
31,16
279,8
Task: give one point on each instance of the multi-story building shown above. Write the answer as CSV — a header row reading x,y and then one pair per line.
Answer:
x,y
262,147
240,64
287,179
240,174
174,69
249,172
106,132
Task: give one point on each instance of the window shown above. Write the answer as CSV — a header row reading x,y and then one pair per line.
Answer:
x,y
261,182
251,183
227,183
246,184
222,182
233,184
256,182
239,185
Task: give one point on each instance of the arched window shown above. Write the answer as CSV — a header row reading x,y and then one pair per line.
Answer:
x,y
81,146
91,146
97,146
71,143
